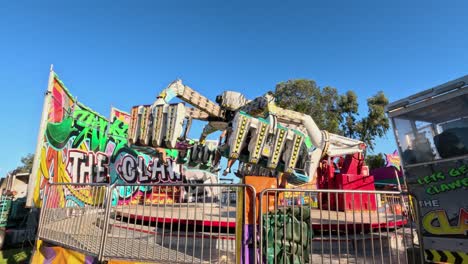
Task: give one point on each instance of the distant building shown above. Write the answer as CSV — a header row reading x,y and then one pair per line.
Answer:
x,y
16,183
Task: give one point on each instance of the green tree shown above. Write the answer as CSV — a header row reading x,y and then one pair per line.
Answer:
x,y
26,164
375,124
375,161
333,112
349,110
306,97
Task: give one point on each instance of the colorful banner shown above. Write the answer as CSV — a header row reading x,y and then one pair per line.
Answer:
x,y
441,190
57,255
394,160
81,146
117,114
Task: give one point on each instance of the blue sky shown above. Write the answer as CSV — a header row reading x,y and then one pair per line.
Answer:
x,y
122,53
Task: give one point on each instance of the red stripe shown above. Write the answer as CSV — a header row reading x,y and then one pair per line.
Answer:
x,y
360,226
173,235
207,223
181,221
57,102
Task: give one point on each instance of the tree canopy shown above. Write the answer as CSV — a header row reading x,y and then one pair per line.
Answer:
x,y
334,112
307,97
26,164
375,161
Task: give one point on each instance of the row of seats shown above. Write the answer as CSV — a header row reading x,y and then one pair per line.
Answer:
x,y
158,126
258,140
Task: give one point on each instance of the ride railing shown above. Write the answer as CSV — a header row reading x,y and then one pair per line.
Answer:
x,y
172,223
71,216
222,223
183,223
336,226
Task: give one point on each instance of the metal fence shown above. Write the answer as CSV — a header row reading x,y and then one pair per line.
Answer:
x,y
183,223
222,223
71,224
336,226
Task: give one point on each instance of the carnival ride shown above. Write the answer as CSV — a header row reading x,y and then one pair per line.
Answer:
x,y
291,171
275,147
266,139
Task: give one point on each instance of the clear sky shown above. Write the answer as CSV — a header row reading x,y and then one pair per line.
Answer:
x,y
122,53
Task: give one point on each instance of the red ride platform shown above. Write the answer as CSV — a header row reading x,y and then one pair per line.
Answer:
x,y
225,217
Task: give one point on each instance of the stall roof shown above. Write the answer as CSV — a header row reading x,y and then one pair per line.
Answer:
x,y
455,90
438,112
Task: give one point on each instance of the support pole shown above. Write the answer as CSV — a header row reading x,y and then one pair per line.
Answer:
x,y
33,177
240,216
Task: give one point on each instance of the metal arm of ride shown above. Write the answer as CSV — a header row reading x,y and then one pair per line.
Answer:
x,y
325,143
334,145
195,113
187,94
328,144
204,109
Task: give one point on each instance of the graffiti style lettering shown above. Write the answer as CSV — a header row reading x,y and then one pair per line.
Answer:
x,y
134,170
87,167
438,176
158,172
118,132
429,203
85,126
438,223
90,126
127,169
434,180
460,171
102,169
97,131
174,176
445,187
82,146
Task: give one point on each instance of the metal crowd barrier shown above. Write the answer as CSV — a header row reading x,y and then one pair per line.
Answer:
x,y
199,223
336,226
175,223
71,223
172,223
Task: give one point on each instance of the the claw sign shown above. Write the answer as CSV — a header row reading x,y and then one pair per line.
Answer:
x,y
438,223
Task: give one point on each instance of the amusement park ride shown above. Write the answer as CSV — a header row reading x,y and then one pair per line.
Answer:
x,y
289,169
266,140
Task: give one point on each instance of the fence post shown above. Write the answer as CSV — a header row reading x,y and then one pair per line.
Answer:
x,y
260,226
41,214
255,226
108,208
240,214
418,222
